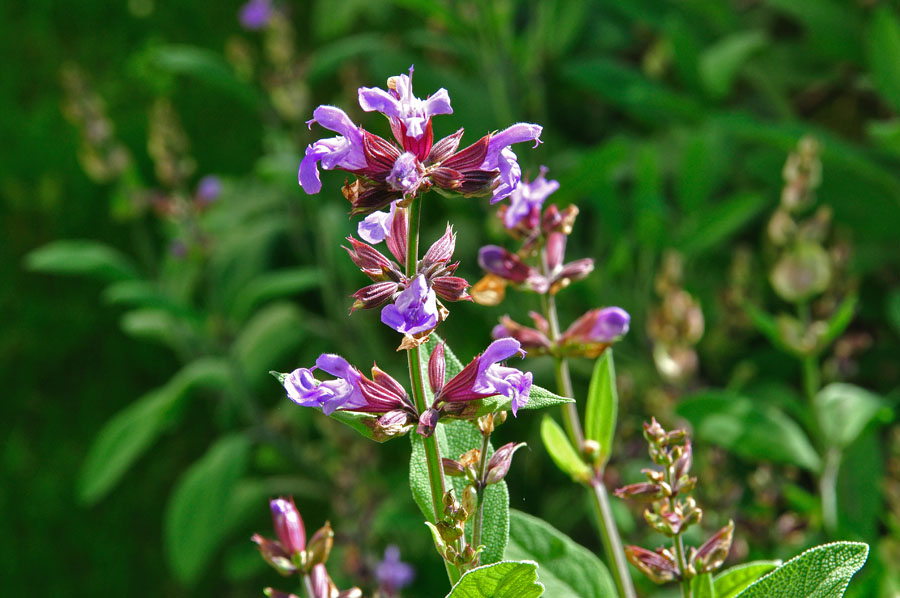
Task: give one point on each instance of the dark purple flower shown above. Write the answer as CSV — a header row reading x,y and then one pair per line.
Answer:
x,y
342,392
415,309
392,573
208,189
400,105
527,198
256,14
493,378
288,525
344,151
503,263
500,157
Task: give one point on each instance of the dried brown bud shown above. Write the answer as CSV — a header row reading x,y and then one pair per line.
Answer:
x,y
320,546
659,566
714,551
640,491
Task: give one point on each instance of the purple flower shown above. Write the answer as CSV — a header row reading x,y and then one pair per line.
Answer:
x,y
399,104
392,573
208,189
406,175
415,309
342,392
288,525
256,14
344,151
493,378
500,157
598,326
527,198
376,227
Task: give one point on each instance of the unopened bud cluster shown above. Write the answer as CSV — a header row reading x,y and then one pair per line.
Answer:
x,y
672,511
449,533
676,324
291,554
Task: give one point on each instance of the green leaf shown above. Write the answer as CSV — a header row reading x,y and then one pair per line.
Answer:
x,y
84,258
707,228
455,437
152,324
820,572
882,43
194,514
507,579
702,586
141,293
129,433
270,334
602,406
844,410
731,582
562,452
203,65
721,63
839,321
753,431
766,324
273,285
567,569
893,310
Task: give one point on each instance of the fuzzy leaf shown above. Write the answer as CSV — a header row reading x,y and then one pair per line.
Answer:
x,y
454,439
567,569
702,587
85,258
820,572
507,579
193,520
733,581
602,405
129,433
751,430
562,452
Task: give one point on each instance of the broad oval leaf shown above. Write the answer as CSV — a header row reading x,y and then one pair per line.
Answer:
x,y
129,433
820,572
844,410
194,515
566,569
733,581
602,406
506,579
751,430
562,452
86,258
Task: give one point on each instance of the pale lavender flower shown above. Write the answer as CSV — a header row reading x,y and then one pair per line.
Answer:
x,y
493,378
500,157
527,198
405,175
256,14
392,573
401,105
376,227
208,189
344,151
415,309
342,392
612,322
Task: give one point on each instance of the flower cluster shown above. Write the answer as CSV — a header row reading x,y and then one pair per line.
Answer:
x,y
388,171
539,266
672,511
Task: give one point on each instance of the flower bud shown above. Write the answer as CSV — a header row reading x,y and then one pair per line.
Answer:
x,y
714,551
555,220
396,241
320,545
450,532
640,491
453,468
442,249
801,273
275,554
437,366
469,500
393,423
498,466
374,295
530,338
288,525
571,272
451,288
502,263
427,422
368,259
659,566
556,251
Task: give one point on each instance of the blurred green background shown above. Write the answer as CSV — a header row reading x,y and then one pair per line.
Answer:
x,y
667,123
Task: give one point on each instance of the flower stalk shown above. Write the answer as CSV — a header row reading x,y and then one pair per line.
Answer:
x,y
480,488
609,533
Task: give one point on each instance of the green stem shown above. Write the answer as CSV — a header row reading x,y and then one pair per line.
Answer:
x,y
682,565
828,489
609,533
480,487
432,451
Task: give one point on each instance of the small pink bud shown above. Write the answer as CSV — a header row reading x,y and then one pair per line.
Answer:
x,y
659,566
442,249
436,369
451,288
498,466
396,241
374,295
714,551
275,554
556,250
288,525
